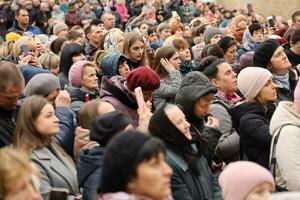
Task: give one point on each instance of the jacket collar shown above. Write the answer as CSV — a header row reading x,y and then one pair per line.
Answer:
x,y
64,168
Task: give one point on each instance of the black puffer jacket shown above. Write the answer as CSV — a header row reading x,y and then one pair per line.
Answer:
x,y
251,120
193,86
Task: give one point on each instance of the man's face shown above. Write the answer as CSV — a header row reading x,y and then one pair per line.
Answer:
x,y
109,21
9,97
95,34
296,23
28,5
23,17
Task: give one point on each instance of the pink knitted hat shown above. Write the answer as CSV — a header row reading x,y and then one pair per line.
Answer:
x,y
297,97
75,73
239,178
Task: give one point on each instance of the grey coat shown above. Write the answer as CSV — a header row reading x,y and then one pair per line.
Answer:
x,y
57,171
228,147
168,89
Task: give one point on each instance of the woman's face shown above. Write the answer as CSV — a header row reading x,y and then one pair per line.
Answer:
x,y
268,92
123,69
23,189
143,28
47,123
231,54
185,54
79,40
187,32
153,179
55,70
279,62
52,96
120,40
136,51
89,78
175,61
260,192
78,58
242,24
215,39
179,32
177,117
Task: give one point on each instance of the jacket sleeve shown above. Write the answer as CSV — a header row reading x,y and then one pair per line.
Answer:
x,y
169,91
287,155
67,125
211,136
256,128
179,188
229,142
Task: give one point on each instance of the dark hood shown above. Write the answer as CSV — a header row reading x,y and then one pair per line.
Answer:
x,y
245,108
114,87
88,162
110,64
193,86
78,94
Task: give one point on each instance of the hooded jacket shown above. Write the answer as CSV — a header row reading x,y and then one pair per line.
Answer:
x,y
195,85
287,154
110,64
89,165
115,92
251,122
248,44
78,97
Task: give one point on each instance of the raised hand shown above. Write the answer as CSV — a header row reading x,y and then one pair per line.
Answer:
x,y
167,65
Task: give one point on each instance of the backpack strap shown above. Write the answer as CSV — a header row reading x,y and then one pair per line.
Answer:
x,y
273,157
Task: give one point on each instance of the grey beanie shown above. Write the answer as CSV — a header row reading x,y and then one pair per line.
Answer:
x,y
210,32
58,27
41,84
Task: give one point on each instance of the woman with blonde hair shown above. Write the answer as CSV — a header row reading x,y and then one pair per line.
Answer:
x,y
135,50
16,176
51,62
36,125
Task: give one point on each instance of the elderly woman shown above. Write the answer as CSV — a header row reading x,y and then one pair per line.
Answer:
x,y
192,177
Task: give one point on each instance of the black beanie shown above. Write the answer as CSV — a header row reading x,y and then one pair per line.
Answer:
x,y
120,160
104,127
264,52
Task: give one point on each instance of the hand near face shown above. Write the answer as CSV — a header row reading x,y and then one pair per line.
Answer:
x,y
63,99
212,122
167,65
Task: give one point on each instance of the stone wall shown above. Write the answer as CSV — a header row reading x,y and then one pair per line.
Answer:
x,y
283,8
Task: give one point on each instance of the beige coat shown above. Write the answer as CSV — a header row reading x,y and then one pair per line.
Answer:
x,y
288,146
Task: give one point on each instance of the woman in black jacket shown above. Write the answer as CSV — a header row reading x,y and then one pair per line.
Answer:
x,y
251,118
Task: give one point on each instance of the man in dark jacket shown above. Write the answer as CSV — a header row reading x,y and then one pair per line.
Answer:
x,y
21,23
194,97
11,88
293,50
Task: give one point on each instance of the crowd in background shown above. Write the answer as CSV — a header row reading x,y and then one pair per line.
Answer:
x,y
148,99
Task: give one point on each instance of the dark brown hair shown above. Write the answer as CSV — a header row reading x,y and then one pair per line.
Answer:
x,y
163,52
26,135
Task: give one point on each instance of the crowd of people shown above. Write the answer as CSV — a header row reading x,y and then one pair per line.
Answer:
x,y
153,99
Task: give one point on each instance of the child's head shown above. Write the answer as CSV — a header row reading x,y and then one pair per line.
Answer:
x,y
256,32
50,61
